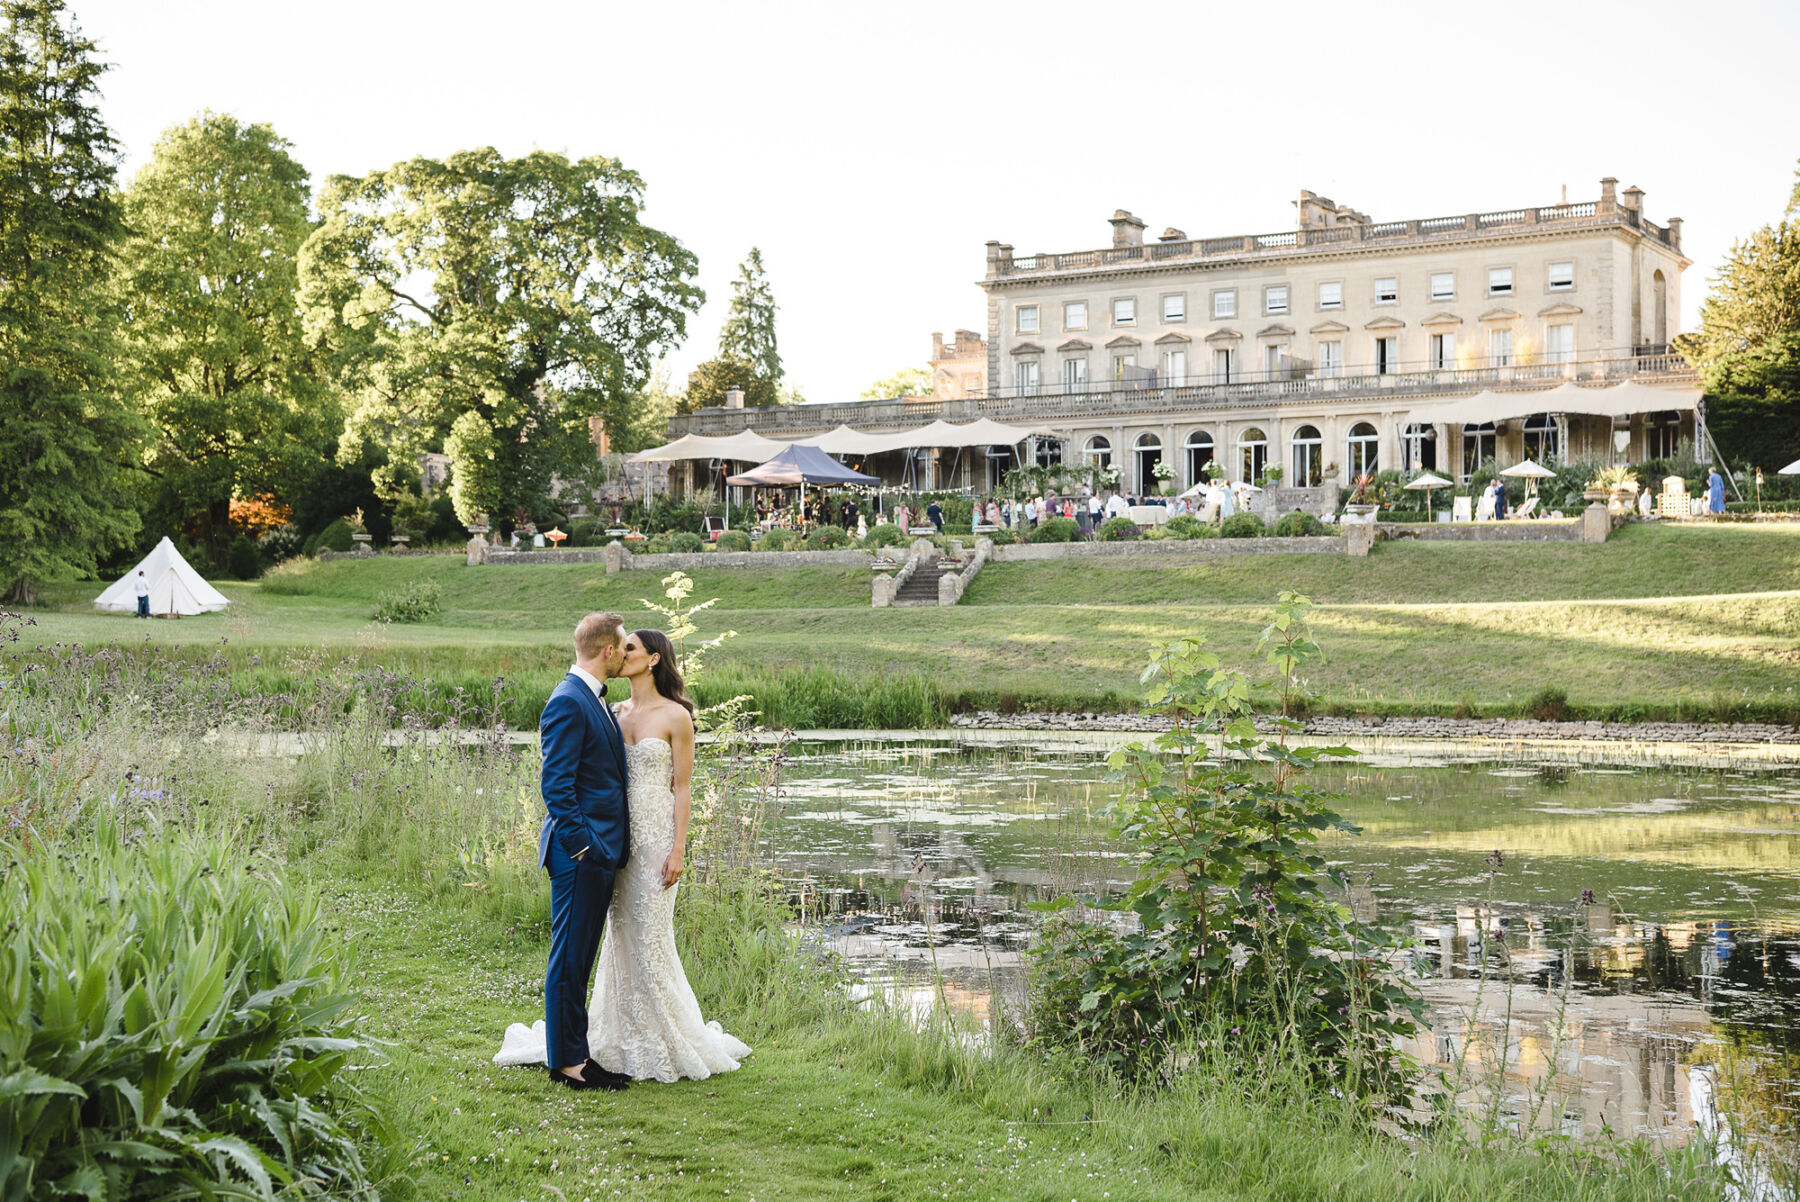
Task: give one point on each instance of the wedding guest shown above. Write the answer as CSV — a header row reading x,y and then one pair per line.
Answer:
x,y
935,512
1715,492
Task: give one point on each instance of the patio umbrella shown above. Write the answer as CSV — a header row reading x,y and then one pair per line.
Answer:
x,y
1532,472
1792,469
555,535
1425,484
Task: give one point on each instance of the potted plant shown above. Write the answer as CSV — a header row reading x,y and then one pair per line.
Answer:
x,y
1329,472
1361,502
1165,477
359,529
1272,477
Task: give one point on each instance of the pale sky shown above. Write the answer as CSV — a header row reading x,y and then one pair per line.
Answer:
x,y
871,150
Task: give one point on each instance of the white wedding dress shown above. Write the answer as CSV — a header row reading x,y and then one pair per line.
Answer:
x,y
643,1018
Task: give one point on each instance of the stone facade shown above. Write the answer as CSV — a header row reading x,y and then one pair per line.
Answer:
x,y
959,368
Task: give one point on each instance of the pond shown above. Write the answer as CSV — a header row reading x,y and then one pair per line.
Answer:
x,y
1631,953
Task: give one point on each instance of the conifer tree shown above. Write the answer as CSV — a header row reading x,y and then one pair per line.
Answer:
x,y
748,335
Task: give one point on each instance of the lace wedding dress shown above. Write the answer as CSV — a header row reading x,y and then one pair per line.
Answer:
x,y
643,1018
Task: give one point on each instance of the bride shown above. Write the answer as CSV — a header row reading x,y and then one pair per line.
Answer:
x,y
643,1018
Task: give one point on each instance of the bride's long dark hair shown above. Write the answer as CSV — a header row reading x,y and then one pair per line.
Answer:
x,y
665,674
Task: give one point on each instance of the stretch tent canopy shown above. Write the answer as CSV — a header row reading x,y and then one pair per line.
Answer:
x,y
175,588
800,464
744,445
846,441
1618,400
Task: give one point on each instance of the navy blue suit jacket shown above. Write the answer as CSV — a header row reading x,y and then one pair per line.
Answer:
x,y
583,779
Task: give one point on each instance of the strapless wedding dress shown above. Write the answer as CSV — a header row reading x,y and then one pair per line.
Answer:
x,y
643,1018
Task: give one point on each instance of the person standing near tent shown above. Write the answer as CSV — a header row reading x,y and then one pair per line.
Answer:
x,y
902,516
141,586
935,512
1715,492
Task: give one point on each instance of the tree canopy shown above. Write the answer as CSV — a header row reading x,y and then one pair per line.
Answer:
x,y
908,381
749,331
492,306
708,384
212,343
66,437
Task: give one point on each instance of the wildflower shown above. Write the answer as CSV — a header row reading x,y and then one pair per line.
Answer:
x,y
1496,858
1587,897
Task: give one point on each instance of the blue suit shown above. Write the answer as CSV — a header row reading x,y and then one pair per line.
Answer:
x,y
583,784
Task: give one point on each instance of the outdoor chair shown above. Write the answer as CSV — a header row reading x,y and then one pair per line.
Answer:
x,y
1526,508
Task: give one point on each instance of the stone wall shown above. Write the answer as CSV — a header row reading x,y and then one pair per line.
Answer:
x,y
1563,530
628,561
1021,552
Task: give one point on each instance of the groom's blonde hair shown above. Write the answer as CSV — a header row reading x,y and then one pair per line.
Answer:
x,y
595,633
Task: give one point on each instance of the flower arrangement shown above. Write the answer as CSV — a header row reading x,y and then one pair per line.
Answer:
x,y
1162,471
356,523
1359,494
1109,477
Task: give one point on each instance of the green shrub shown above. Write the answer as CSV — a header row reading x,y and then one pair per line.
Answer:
x,y
1185,526
884,536
1299,524
415,601
174,1023
827,538
1548,705
1242,525
310,547
1002,537
686,542
1056,530
283,542
1114,530
242,560
778,539
733,540
336,537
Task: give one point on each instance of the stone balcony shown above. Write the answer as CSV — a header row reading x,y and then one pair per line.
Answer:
x,y
1150,399
1004,265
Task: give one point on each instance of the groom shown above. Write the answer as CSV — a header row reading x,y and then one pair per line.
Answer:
x,y
585,841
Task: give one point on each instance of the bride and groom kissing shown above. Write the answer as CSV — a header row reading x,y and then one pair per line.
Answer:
x,y
615,785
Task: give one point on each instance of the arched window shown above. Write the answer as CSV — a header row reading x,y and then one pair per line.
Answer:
x,y
1199,449
1309,457
1365,445
1097,451
1662,435
1478,447
1149,450
1541,441
1659,304
1253,454
1049,451
1419,443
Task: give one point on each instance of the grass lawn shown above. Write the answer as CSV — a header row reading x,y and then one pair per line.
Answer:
x,y
1662,621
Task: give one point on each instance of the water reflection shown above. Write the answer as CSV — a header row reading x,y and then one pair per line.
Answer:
x,y
1641,920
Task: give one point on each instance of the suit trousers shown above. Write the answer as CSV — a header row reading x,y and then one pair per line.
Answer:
x,y
579,898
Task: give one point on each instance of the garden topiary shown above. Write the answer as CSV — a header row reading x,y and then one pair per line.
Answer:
x,y
241,558
884,536
1299,524
336,537
827,538
734,540
1116,530
1242,525
1056,530
686,542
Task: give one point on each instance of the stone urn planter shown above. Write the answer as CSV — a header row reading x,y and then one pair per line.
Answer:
x,y
1361,509
362,542
400,541
1596,495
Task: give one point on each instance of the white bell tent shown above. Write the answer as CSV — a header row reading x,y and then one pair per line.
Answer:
x,y
175,588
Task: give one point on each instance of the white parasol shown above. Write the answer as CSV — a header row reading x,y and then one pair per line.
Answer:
x,y
1533,472
1792,469
1425,483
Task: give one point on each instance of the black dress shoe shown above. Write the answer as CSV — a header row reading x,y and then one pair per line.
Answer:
x,y
603,1078
586,1081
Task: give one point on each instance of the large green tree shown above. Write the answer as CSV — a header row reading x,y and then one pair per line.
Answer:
x,y
66,436
492,306
709,382
213,344
749,332
1748,345
908,381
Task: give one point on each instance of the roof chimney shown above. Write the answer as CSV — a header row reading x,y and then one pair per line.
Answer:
x,y
1127,230
734,398
1634,199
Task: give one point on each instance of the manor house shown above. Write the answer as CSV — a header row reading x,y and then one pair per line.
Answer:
x,y
1334,348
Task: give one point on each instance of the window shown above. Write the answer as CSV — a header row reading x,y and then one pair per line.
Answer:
x,y
1541,441
1478,448
1125,311
1309,460
1387,290
1224,364
1275,298
1272,361
1662,435
1500,281
1365,445
1097,451
1074,374
1331,360
1253,455
1074,315
1028,323
1123,366
1500,348
1418,445
1175,306
972,386
1559,344
1443,351
1174,368
1225,303
1331,296
1387,356
1149,454
1025,377
1199,450
1562,277
1443,285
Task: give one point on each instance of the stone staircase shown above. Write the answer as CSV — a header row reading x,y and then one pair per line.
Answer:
x,y
928,578
921,588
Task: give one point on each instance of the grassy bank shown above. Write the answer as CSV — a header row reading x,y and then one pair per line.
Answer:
x,y
1663,622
